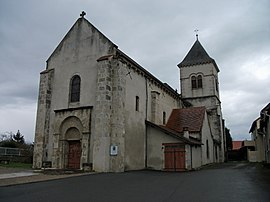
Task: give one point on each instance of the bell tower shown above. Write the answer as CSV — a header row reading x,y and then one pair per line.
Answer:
x,y
200,87
199,75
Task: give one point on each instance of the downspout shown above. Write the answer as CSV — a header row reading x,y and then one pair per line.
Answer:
x,y
146,110
89,139
191,157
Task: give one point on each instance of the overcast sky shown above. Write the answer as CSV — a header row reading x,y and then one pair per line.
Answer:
x,y
156,34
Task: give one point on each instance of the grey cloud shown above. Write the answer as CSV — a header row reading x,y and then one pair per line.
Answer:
x,y
157,34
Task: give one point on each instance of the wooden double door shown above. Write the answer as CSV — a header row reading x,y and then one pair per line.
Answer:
x,y
174,157
74,154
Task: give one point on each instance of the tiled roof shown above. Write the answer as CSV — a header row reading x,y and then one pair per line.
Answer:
x,y
236,145
175,134
191,118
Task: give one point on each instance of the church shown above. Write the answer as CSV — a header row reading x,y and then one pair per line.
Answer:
x,y
98,109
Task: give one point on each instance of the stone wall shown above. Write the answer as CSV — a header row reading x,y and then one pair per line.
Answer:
x,y
109,117
43,118
66,119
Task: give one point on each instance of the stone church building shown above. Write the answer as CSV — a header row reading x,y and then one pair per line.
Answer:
x,y
99,109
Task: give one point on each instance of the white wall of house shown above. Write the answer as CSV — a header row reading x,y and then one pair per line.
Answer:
x,y
267,138
193,156
206,136
155,150
196,157
260,147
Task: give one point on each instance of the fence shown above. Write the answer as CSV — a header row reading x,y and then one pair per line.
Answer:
x,y
15,155
6,151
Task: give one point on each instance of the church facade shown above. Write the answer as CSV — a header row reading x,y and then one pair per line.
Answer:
x,y
99,109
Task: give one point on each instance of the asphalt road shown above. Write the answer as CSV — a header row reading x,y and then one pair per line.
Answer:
x,y
227,182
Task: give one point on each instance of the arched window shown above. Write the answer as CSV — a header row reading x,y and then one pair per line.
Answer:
x,y
164,118
199,81
193,82
137,103
75,88
196,82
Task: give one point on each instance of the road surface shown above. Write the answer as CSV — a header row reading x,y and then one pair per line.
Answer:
x,y
224,182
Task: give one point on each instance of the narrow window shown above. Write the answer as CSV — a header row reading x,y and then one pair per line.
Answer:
x,y
164,118
207,149
199,81
137,103
75,89
216,152
217,85
193,82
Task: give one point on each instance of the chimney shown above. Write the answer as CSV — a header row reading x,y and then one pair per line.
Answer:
x,y
186,133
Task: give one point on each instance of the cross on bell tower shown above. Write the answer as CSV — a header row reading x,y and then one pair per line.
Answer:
x,y
196,31
83,14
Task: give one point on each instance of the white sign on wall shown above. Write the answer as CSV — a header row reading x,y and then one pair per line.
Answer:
x,y
114,150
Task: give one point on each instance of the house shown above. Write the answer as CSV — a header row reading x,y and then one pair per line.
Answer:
x,y
242,151
260,133
99,108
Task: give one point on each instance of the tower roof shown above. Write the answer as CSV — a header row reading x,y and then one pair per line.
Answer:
x,y
197,56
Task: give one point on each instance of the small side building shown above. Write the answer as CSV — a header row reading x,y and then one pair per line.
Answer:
x,y
184,143
260,134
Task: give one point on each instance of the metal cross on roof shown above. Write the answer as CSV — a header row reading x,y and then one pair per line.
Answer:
x,y
196,30
83,14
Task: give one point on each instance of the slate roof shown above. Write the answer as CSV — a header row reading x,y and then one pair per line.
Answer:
x,y
197,56
191,118
253,125
266,109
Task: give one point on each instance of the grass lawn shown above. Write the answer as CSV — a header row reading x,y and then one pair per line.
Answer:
x,y
17,165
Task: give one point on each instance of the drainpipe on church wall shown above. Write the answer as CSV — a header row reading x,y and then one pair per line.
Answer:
x,y
186,135
146,108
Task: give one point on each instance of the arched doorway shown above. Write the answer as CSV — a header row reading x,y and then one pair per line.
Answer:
x,y
74,148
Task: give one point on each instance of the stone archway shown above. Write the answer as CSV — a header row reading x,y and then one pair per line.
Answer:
x,y
71,133
71,139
